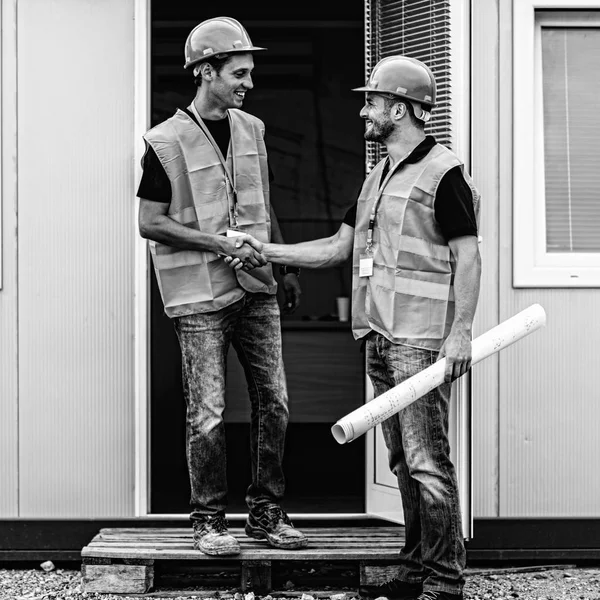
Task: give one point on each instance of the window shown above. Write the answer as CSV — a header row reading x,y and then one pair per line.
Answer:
x,y
421,29
556,146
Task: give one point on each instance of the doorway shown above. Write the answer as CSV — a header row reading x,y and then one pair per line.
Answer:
x,y
314,138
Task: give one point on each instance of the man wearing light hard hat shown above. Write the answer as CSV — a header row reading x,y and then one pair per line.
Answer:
x,y
206,181
416,275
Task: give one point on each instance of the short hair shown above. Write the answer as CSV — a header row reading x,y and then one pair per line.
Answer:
x,y
217,62
390,100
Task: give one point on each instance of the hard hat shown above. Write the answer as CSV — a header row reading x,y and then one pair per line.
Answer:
x,y
221,35
404,77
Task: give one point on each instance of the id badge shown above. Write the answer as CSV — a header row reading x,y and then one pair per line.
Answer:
x,y
234,232
365,265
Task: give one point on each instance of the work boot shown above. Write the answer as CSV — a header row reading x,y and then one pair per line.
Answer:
x,y
211,536
271,523
395,589
433,595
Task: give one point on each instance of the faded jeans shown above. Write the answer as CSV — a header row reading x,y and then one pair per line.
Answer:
x,y
252,325
419,456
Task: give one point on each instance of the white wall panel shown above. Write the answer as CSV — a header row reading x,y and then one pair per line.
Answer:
x,y
485,174
76,244
550,409
549,398
9,492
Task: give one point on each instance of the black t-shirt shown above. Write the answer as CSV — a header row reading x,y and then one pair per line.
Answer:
x,y
155,184
453,203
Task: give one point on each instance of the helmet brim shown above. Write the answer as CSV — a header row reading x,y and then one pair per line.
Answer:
x,y
427,105
233,51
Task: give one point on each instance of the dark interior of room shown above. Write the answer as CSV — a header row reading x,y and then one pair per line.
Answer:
x,y
302,92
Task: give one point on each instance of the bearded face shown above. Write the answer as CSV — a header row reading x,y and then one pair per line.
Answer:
x,y
378,124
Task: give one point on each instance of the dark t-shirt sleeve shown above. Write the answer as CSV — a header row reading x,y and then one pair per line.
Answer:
x,y
454,209
154,184
350,216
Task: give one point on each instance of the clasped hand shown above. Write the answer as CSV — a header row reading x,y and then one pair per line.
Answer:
x,y
458,352
245,253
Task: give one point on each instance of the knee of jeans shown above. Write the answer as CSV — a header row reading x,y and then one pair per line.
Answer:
x,y
205,418
431,476
283,410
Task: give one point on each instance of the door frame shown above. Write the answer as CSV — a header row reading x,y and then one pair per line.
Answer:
x,y
142,389
142,95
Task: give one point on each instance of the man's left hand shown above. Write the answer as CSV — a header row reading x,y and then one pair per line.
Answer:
x,y
291,288
457,350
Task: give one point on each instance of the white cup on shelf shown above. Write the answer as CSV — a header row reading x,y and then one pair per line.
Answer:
x,y
343,307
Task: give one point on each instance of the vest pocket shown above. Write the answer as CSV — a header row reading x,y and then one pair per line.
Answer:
x,y
407,316
208,182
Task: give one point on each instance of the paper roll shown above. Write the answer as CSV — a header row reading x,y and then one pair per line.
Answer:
x,y
369,415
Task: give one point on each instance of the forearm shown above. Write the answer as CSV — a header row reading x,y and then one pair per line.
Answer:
x,y
276,235
165,230
316,254
466,292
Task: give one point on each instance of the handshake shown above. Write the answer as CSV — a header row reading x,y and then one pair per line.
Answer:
x,y
244,252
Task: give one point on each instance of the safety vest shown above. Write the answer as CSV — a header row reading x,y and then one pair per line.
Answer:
x,y
193,281
409,298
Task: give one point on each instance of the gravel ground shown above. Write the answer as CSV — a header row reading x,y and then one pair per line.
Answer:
x,y
536,583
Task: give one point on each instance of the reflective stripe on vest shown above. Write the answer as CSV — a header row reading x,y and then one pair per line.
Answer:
x,y
410,297
194,282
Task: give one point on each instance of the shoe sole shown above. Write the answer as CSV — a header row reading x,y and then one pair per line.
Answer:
x,y
226,551
259,534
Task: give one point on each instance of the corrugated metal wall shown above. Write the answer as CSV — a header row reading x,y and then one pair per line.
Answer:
x,y
75,259
536,405
66,307
9,502
550,408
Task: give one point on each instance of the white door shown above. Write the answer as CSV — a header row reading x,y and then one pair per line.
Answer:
x,y
382,495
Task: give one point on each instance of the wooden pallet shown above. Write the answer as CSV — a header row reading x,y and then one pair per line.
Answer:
x,y
123,560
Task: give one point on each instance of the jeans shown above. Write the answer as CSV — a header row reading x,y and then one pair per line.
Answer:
x,y
252,325
419,456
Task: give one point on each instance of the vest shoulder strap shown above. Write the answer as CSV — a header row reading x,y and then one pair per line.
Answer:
x,y
248,120
166,130
436,164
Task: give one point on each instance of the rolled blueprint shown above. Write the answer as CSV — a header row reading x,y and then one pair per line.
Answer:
x,y
369,415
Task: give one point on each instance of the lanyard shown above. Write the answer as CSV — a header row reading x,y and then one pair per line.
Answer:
x,y
373,215
230,178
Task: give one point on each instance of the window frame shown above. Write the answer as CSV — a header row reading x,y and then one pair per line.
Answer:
x,y
533,265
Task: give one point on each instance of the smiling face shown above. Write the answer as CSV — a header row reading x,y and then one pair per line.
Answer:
x,y
378,123
228,87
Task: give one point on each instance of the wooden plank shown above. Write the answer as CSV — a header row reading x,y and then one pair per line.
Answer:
x,y
371,574
97,561
117,579
357,539
250,545
362,531
340,537
314,531
256,575
374,551
350,543
312,543
267,553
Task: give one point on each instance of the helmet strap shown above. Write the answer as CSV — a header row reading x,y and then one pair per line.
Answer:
x,y
424,115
